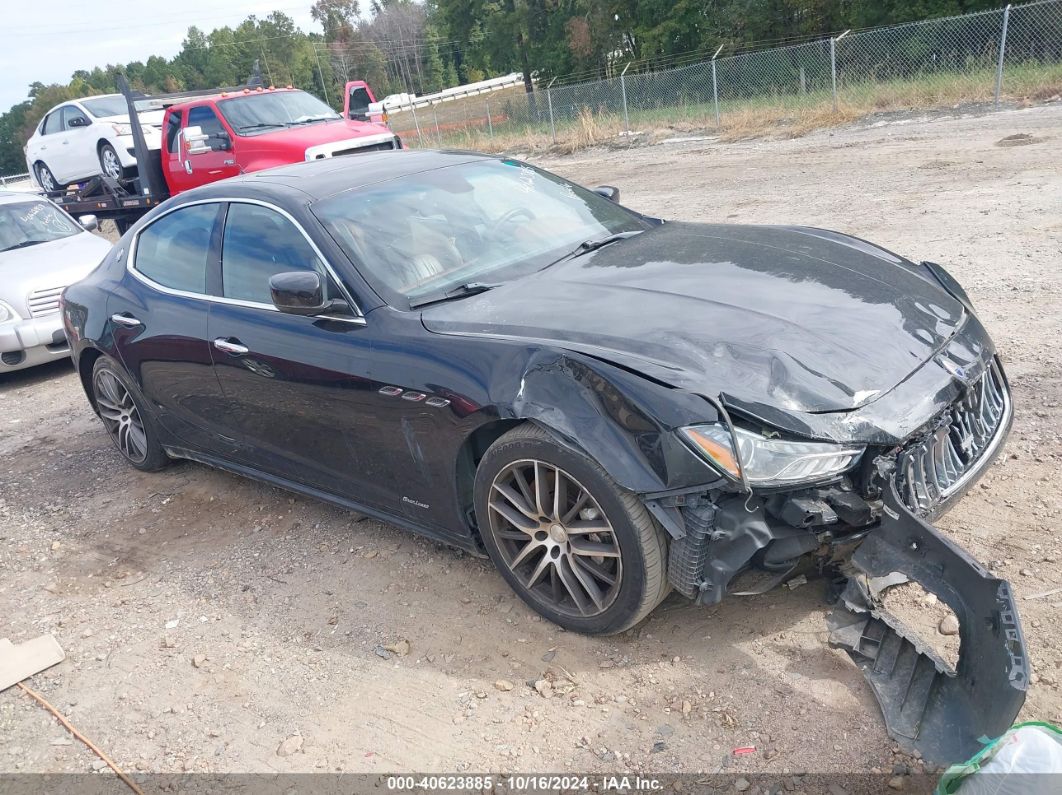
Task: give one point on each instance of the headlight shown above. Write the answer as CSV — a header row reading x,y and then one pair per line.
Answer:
x,y
122,129
770,462
7,314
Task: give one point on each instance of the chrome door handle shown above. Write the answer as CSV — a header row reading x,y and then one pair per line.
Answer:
x,y
234,348
187,166
126,320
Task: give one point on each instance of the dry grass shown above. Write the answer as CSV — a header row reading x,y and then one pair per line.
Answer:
x,y
771,116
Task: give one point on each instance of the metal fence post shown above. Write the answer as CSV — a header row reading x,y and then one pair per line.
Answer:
x,y
438,133
623,91
490,123
715,86
833,69
420,137
1002,50
549,101
833,64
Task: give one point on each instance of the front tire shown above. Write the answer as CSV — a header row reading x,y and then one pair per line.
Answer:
x,y
110,164
131,428
46,179
574,546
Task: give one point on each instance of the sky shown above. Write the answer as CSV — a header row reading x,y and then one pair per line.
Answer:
x,y
47,40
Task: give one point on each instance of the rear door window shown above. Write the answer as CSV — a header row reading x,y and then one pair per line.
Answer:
x,y
174,251
53,122
173,129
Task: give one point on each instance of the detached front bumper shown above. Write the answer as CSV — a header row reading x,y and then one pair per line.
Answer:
x,y
929,708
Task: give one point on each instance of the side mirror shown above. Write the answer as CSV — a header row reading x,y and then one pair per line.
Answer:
x,y
196,140
89,223
298,293
222,142
376,113
609,192
78,121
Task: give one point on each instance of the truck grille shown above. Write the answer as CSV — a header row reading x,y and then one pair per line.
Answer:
x,y
44,302
939,464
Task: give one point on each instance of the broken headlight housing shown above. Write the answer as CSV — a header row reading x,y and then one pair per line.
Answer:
x,y
769,461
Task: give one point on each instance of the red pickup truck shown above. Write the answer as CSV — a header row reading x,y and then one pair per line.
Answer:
x,y
221,135
214,134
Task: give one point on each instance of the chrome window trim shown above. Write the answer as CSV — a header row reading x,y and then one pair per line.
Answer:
x,y
130,264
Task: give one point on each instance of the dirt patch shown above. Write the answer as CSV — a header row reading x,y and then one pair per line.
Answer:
x,y
1019,139
284,601
927,617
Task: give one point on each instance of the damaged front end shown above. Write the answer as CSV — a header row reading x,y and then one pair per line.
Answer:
x,y
867,531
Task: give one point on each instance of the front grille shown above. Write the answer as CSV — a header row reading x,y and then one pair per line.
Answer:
x,y
44,302
386,146
940,463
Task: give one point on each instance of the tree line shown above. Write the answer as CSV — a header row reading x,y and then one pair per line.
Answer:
x,y
420,47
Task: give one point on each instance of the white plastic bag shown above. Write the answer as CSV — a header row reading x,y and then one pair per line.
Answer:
x,y
1027,760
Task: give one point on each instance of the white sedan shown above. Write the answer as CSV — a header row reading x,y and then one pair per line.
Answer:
x,y
86,137
42,250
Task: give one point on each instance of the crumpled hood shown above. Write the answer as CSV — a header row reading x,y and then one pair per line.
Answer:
x,y
797,318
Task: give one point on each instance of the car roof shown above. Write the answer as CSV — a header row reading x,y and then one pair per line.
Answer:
x,y
321,179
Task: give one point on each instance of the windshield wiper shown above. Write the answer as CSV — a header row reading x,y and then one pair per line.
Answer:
x,y
313,119
261,126
24,244
461,291
593,245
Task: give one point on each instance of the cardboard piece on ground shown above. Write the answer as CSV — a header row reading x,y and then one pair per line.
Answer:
x,y
26,659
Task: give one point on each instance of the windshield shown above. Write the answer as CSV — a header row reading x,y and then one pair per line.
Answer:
x,y
258,113
25,224
106,106
485,221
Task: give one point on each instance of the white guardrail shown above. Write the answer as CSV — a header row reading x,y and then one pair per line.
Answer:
x,y
457,92
17,182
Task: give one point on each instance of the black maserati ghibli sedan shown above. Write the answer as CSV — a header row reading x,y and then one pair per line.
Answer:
x,y
608,405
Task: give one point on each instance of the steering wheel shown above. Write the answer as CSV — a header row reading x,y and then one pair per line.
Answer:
x,y
509,217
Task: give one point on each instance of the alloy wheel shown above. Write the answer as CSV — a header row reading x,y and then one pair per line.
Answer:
x,y
121,416
111,167
44,176
555,538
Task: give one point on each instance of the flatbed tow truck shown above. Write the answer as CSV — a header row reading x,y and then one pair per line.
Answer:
x,y
203,141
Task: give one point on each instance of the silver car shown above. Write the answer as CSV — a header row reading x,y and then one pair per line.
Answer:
x,y
42,250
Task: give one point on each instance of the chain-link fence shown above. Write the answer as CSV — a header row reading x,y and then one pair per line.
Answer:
x,y
993,56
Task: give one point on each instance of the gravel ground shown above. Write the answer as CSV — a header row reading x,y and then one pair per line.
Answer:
x,y
215,624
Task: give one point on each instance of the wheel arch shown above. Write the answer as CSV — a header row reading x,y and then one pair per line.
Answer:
x,y
86,361
467,462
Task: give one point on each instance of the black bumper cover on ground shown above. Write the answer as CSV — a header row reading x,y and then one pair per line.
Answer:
x,y
928,708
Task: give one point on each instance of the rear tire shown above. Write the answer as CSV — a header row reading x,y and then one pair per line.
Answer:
x,y
130,426
591,560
